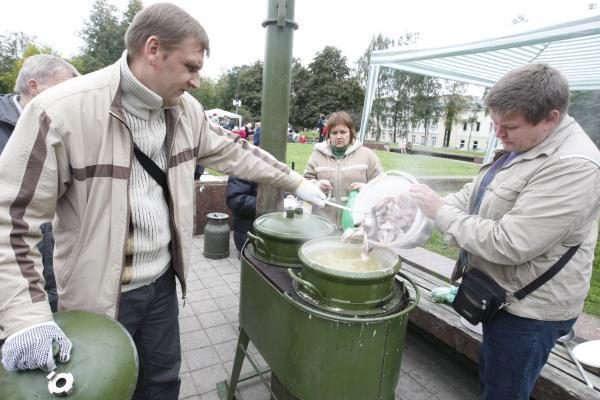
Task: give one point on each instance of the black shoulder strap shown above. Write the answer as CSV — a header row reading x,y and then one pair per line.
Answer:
x,y
546,276
154,170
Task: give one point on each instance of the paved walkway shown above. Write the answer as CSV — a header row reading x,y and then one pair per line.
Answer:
x,y
209,329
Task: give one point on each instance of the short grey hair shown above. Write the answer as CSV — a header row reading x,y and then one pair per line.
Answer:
x,y
169,23
532,90
43,68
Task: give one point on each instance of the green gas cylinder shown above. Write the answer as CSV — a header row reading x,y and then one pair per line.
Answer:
x,y
347,220
103,364
216,236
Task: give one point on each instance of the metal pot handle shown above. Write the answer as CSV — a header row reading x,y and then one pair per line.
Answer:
x,y
311,288
259,243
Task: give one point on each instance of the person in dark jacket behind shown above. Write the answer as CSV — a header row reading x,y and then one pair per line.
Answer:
x,y
241,200
256,139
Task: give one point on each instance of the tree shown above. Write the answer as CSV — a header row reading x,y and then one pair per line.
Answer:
x,y
326,86
299,97
103,35
14,48
394,91
584,108
227,89
250,89
133,7
473,119
401,101
206,93
454,104
380,99
426,103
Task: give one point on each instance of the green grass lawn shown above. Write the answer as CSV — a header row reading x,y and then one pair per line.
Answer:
x,y
414,165
592,303
449,150
437,245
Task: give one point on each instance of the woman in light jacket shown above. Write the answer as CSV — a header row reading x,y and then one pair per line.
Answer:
x,y
340,164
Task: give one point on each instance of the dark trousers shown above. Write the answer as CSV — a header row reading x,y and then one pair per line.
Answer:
x,y
513,352
150,316
46,247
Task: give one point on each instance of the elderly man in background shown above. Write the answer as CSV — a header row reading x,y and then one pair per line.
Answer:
x,y
38,73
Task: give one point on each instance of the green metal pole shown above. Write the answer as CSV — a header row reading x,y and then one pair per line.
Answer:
x,y
277,77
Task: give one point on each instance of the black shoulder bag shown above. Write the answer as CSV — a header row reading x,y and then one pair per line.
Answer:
x,y
479,297
153,170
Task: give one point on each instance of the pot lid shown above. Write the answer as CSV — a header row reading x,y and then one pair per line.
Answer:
x,y
588,353
103,363
293,224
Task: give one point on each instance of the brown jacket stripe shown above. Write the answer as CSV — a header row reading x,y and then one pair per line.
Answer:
x,y
29,183
181,157
100,171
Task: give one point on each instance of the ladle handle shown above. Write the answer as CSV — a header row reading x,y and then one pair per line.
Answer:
x,y
336,205
311,288
579,367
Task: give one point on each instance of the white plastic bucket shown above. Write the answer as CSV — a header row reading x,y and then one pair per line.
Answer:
x,y
392,184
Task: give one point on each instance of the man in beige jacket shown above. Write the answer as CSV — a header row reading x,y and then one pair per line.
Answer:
x,y
122,234
539,198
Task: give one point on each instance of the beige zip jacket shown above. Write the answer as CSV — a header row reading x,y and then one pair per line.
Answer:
x,y
543,202
70,158
359,164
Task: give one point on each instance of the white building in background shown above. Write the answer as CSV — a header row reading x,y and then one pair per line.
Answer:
x,y
470,132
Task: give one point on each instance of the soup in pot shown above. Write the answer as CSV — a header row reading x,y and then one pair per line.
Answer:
x,y
346,259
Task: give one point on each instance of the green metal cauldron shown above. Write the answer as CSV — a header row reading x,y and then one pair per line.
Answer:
x,y
103,363
279,235
314,353
344,290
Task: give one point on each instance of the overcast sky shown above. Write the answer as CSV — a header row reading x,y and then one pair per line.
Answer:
x,y
237,37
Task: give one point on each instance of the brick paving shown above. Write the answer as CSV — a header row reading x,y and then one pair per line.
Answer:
x,y
209,329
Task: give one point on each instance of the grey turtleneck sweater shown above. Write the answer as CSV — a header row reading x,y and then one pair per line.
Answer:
x,y
148,255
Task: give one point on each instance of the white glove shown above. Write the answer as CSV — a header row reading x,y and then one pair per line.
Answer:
x,y
31,348
311,193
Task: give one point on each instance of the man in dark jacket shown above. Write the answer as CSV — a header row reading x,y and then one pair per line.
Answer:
x,y
9,114
241,200
256,139
321,126
37,74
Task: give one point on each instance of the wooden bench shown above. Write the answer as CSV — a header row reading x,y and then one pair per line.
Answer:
x,y
559,379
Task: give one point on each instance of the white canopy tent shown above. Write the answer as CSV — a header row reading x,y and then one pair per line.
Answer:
x,y
222,114
572,47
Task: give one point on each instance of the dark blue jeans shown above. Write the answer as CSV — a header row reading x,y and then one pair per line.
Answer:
x,y
513,352
150,315
46,247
